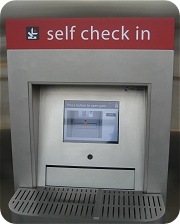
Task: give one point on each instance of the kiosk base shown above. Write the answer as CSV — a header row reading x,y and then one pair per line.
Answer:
x,y
85,205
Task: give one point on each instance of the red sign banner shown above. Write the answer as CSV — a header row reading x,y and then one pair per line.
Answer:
x,y
91,33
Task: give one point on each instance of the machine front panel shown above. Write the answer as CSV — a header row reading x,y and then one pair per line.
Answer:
x,y
92,127
38,128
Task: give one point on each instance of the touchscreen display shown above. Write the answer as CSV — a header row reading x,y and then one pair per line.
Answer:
x,y
91,121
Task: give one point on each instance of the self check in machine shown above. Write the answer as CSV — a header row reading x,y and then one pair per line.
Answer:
x,y
90,104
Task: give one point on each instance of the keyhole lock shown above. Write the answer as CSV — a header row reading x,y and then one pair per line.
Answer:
x,y
90,156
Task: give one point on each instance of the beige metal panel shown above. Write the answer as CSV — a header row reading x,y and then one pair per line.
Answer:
x,y
129,153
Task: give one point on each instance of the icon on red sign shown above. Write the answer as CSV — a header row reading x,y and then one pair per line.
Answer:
x,y
32,33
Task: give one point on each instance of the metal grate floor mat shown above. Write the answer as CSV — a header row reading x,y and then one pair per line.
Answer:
x,y
88,203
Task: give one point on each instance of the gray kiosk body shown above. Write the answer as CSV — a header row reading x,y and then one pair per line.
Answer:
x,y
90,118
